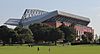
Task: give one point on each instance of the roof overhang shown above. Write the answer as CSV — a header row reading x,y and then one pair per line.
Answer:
x,y
14,22
73,16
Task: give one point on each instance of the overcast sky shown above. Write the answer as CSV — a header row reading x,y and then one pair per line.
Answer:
x,y
86,8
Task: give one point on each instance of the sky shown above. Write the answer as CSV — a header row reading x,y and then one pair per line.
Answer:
x,y
86,8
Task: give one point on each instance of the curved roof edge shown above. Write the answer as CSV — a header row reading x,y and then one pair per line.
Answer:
x,y
73,16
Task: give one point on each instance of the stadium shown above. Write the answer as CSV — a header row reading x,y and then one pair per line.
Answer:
x,y
54,18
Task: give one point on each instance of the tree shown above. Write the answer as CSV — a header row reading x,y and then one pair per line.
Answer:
x,y
12,36
96,38
4,34
24,35
39,30
70,33
89,36
43,32
7,35
98,41
84,39
55,34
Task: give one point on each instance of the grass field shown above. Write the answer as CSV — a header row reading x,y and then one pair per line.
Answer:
x,y
53,49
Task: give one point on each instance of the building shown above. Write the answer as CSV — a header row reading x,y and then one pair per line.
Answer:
x,y
55,18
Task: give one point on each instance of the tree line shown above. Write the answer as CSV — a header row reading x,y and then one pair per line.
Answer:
x,y
40,32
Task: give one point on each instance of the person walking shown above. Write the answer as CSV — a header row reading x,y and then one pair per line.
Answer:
x,y
38,50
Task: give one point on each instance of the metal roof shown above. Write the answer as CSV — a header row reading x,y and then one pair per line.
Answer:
x,y
37,17
14,22
73,16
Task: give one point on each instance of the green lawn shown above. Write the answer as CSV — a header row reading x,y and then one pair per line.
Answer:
x,y
54,50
